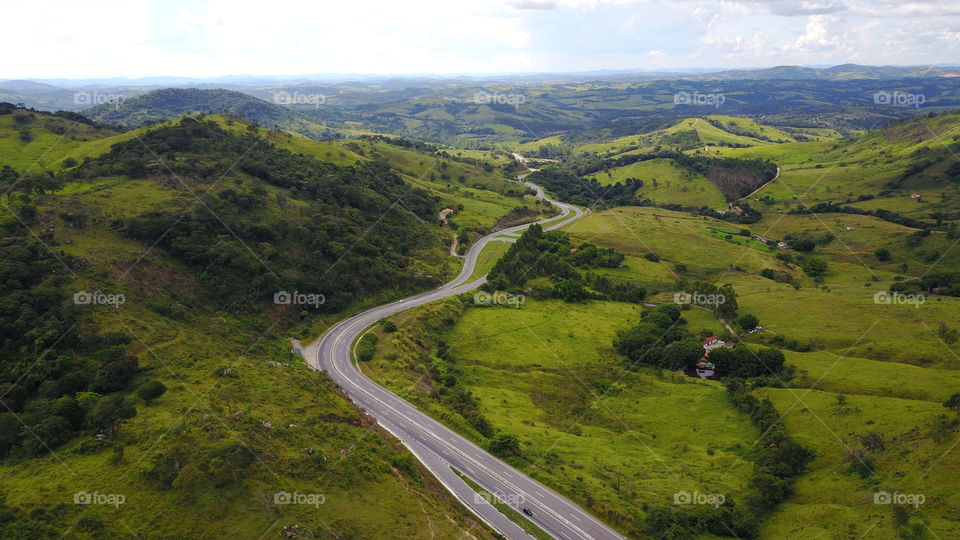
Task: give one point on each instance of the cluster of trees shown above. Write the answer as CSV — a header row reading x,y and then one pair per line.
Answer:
x,y
734,177
749,215
661,340
944,283
58,375
586,191
553,151
550,254
745,363
782,459
620,291
885,215
721,298
292,245
692,521
450,392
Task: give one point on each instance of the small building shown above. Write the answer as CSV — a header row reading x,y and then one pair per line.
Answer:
x,y
783,245
914,195
711,343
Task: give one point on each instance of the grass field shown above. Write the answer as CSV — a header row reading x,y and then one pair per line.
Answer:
x,y
610,439
675,236
488,257
889,362
50,141
830,500
666,182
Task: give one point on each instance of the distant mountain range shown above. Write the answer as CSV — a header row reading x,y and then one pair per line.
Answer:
x,y
172,103
79,94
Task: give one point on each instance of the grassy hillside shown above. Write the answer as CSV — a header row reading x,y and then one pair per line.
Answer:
x,y
197,225
880,169
172,103
32,141
666,182
606,437
869,385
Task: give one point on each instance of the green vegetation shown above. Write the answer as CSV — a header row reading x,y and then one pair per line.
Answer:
x,y
849,389
607,437
173,103
537,254
665,182
145,355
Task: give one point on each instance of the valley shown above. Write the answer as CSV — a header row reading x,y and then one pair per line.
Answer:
x,y
592,313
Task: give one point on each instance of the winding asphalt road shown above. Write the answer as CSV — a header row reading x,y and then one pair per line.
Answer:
x,y
437,446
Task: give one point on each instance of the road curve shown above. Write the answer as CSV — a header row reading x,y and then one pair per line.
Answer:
x,y
437,446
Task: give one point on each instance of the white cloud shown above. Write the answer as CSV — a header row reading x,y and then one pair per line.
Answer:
x,y
55,38
821,33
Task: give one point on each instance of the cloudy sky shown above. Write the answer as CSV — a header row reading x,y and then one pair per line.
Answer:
x,y
92,38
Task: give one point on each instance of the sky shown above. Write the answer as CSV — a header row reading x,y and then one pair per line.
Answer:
x,y
209,38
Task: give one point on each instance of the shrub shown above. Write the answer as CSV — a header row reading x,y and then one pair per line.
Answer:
x,y
367,346
504,445
151,390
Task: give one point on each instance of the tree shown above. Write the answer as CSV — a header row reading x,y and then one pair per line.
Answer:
x,y
682,354
387,325
367,347
815,267
571,290
50,433
882,254
151,390
749,322
116,375
110,411
504,445
953,402
9,433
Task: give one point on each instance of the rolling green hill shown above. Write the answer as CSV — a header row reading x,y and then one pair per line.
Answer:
x,y
172,103
190,228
